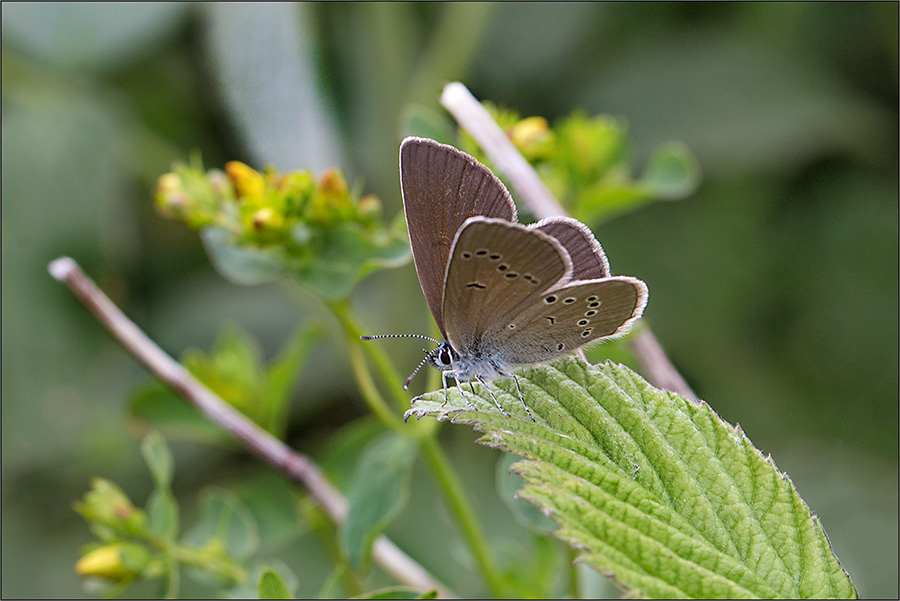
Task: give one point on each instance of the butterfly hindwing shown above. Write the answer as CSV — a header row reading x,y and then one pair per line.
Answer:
x,y
588,259
442,187
495,267
566,318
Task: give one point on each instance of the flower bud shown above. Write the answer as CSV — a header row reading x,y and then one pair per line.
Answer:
x,y
115,562
106,504
532,136
248,183
332,202
267,223
171,198
369,208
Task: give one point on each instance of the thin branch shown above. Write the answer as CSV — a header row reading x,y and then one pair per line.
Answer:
x,y
295,465
475,119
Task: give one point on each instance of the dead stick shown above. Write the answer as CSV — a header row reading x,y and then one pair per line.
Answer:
x,y
296,466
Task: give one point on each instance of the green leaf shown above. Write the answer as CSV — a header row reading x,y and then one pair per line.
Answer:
x,y
246,265
397,592
162,409
158,458
526,514
655,491
226,522
672,173
282,374
331,588
162,514
343,255
272,586
333,260
425,122
379,491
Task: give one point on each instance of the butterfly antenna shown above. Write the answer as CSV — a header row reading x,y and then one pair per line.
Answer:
x,y
416,370
399,336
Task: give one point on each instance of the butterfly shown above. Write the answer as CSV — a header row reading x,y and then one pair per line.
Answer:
x,y
504,295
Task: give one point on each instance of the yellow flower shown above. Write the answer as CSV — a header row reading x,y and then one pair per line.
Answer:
x,y
105,562
248,183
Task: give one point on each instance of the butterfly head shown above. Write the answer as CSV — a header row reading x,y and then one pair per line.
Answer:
x,y
443,357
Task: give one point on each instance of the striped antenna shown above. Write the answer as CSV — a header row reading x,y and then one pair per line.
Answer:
x,y
416,370
421,363
399,336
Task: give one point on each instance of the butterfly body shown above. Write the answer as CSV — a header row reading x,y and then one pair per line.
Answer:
x,y
503,294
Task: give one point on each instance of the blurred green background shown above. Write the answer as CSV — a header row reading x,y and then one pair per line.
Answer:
x,y
774,288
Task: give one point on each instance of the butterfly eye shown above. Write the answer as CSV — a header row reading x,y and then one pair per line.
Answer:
x,y
444,357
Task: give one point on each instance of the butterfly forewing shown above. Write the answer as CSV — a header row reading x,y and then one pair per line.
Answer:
x,y
495,267
562,320
442,187
588,260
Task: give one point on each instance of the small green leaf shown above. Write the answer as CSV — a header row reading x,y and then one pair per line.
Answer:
x,y
655,491
397,592
162,514
272,586
162,409
672,173
224,520
425,122
379,491
343,255
246,265
282,373
331,588
158,458
508,483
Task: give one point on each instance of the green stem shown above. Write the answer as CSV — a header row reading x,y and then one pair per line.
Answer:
x,y
574,579
447,479
464,512
209,560
387,372
367,386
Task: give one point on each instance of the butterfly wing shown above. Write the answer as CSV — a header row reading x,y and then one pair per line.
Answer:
x,y
495,267
588,259
566,318
442,187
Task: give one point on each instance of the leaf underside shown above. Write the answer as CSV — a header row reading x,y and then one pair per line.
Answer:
x,y
655,491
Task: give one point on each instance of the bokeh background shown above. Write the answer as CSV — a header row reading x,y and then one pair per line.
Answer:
x,y
774,288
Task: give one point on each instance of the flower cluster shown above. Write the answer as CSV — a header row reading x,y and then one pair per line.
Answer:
x,y
259,226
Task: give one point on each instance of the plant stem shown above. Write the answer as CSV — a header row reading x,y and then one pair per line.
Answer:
x,y
294,465
465,514
475,119
367,386
387,372
447,479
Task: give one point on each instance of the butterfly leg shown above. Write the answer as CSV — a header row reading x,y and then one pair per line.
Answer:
x,y
468,402
444,380
522,398
490,392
